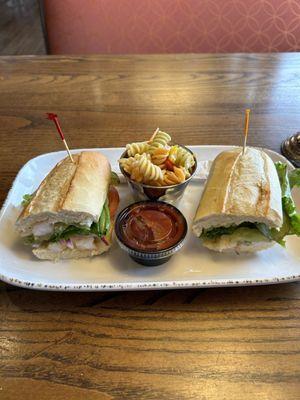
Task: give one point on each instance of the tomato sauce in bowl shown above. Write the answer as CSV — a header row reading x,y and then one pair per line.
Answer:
x,y
151,231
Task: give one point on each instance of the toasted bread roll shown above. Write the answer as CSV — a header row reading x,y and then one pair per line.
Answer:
x,y
241,188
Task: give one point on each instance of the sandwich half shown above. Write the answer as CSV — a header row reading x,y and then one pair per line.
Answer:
x,y
242,207
71,213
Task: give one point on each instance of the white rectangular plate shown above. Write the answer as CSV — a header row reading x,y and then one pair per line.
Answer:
x,y
193,266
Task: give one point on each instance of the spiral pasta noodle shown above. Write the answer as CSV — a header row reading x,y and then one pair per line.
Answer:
x,y
136,174
174,177
159,156
181,157
149,170
128,163
137,148
160,139
140,168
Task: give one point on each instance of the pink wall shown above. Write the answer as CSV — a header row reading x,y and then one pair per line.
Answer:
x,y
172,26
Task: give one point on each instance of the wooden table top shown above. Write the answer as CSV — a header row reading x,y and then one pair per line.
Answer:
x,y
228,343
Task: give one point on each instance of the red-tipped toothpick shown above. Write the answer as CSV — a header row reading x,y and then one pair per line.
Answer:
x,y
54,118
247,115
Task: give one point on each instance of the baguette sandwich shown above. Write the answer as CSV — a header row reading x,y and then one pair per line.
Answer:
x,y
246,205
71,213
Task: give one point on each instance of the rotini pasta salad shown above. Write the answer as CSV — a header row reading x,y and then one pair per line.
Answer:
x,y
156,162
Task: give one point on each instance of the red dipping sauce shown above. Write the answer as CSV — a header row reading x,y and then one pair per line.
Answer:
x,y
151,226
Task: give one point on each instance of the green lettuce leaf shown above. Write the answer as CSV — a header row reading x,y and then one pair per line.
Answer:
x,y
288,205
26,199
28,240
101,228
62,231
114,178
291,220
294,178
68,232
275,234
219,231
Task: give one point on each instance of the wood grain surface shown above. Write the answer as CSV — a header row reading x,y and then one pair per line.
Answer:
x,y
230,343
21,28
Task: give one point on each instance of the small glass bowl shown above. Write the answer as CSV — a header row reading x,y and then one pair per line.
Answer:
x,y
170,194
149,258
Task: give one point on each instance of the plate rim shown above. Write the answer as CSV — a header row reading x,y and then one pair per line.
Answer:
x,y
160,285
154,285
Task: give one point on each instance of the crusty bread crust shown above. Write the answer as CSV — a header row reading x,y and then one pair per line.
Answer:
x,y
53,190
70,193
240,188
89,186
